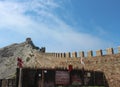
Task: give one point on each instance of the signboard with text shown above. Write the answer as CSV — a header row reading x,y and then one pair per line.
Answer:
x,y
62,78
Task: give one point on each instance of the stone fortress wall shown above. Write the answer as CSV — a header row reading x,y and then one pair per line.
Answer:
x,y
107,61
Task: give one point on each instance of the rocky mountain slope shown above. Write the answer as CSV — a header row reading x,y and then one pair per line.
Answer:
x,y
9,55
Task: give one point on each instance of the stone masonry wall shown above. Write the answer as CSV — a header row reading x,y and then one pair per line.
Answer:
x,y
108,63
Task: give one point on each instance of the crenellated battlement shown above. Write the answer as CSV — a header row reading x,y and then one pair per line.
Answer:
x,y
89,54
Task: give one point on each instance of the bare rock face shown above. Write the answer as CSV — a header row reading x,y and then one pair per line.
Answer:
x,y
9,55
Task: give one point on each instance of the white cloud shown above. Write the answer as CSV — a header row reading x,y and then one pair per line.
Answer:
x,y
42,24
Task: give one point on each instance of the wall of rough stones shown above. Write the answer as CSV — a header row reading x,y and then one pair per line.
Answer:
x,y
108,63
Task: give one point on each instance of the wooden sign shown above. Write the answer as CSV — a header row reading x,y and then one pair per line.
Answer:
x,y
62,78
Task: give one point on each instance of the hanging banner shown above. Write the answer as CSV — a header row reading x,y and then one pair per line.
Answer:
x,y
62,78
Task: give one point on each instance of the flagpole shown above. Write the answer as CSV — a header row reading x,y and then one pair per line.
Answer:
x,y
20,77
20,65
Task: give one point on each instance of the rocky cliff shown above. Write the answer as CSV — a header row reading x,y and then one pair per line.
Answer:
x,y
9,54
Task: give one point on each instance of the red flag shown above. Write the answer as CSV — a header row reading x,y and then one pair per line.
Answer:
x,y
70,67
19,62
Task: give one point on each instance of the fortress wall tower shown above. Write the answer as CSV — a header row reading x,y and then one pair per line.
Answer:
x,y
110,51
90,54
68,55
81,54
74,54
99,53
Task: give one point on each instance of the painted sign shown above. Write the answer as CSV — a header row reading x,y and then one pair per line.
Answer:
x,y
62,78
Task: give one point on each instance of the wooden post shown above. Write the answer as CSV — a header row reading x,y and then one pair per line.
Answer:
x,y
42,84
20,65
20,78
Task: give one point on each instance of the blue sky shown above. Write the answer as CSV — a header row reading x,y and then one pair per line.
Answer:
x,y
61,25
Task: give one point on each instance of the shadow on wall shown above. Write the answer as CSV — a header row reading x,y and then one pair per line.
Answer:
x,y
62,78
